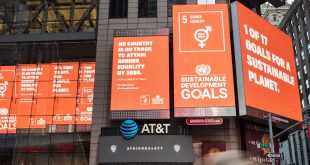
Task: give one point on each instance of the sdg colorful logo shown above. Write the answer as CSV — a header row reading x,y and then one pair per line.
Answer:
x,y
129,129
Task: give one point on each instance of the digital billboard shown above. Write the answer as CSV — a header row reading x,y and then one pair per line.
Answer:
x,y
35,95
266,72
140,77
203,75
84,107
7,112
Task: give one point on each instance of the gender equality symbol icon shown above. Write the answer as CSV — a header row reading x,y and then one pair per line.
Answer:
x,y
202,35
3,87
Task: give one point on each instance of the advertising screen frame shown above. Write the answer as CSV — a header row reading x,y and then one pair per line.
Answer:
x,y
207,54
246,110
136,112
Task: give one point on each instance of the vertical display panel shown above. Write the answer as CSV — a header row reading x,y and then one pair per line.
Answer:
x,y
37,95
84,109
31,81
7,78
140,78
7,118
203,75
7,110
265,67
64,77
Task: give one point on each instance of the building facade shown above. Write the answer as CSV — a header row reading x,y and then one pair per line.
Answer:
x,y
295,23
71,38
36,38
274,15
141,15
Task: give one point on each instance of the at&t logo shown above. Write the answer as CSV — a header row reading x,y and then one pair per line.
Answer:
x,y
129,129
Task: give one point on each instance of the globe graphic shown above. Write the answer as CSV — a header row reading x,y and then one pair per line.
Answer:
x,y
129,129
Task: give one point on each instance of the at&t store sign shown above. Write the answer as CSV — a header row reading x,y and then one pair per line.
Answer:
x,y
130,129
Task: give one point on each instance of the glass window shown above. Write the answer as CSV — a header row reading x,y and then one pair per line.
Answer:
x,y
305,69
302,6
301,43
307,84
302,54
173,2
53,141
274,17
296,59
23,17
303,103
298,73
300,88
147,8
308,47
305,20
307,33
118,9
292,22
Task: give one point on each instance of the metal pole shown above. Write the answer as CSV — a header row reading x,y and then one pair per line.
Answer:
x,y
271,137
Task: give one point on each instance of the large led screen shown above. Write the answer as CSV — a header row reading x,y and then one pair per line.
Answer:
x,y
38,95
265,67
140,78
203,75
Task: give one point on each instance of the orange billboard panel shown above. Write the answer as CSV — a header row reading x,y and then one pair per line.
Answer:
x,y
84,107
265,66
27,121
86,83
84,114
203,75
63,106
140,77
64,79
8,105
7,124
24,106
35,95
32,81
7,118
7,73
39,121
7,78
63,119
87,72
43,107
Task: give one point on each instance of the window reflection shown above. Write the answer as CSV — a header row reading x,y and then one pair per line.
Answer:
x,y
57,143
35,16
